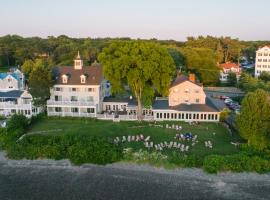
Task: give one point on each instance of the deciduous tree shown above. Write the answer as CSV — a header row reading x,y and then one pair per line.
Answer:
x,y
144,66
254,119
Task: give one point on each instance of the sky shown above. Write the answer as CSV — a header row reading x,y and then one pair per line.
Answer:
x,y
145,19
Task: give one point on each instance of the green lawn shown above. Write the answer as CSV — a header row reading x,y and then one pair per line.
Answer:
x,y
221,139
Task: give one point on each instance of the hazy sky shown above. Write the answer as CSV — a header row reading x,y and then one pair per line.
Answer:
x,y
162,19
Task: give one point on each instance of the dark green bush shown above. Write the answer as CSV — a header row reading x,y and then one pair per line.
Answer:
x,y
79,149
214,163
185,160
17,122
236,163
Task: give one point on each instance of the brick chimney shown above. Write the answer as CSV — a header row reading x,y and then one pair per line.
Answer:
x,y
192,78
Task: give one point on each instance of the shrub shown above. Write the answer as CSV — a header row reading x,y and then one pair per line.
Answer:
x,y
94,150
213,163
17,122
237,163
79,149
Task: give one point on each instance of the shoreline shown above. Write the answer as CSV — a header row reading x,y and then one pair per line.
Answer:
x,y
66,164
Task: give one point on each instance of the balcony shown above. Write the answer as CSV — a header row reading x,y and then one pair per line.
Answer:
x,y
70,103
12,105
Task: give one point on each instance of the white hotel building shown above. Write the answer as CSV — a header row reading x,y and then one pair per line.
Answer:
x,y
262,60
79,90
82,91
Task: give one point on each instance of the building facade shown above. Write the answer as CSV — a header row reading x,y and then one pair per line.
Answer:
x,y
186,102
17,102
227,68
262,63
12,80
79,90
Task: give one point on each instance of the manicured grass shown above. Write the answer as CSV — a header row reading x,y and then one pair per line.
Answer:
x,y
214,132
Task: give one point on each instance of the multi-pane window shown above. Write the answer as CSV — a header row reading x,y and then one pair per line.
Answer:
x,y
90,110
58,109
74,110
58,89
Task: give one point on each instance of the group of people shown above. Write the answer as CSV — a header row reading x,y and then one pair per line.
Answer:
x,y
187,137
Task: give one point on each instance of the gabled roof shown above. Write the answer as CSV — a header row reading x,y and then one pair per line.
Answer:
x,y
228,65
181,79
93,75
14,75
264,46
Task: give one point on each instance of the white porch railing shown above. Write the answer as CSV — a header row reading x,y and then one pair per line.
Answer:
x,y
10,105
70,103
71,114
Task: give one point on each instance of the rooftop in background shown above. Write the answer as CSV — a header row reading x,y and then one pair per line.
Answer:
x,y
180,78
228,65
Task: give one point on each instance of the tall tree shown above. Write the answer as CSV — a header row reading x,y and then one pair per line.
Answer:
x,y
202,62
40,81
28,67
254,119
145,67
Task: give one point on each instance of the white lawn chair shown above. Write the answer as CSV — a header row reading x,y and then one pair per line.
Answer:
x,y
182,148
147,138
175,144
187,148
151,144
166,144
129,138
124,139
142,137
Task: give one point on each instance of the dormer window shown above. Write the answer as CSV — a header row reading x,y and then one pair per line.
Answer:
x,y
64,78
83,78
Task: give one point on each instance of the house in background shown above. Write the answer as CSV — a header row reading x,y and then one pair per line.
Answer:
x,y
226,68
262,63
79,90
14,98
17,102
186,102
12,80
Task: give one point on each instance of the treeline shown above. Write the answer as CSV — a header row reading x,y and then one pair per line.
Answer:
x,y
200,55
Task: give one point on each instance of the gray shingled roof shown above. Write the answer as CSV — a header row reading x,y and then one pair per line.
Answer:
x,y
181,79
11,94
93,75
164,105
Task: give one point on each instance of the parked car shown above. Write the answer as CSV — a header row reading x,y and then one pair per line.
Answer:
x,y
228,100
